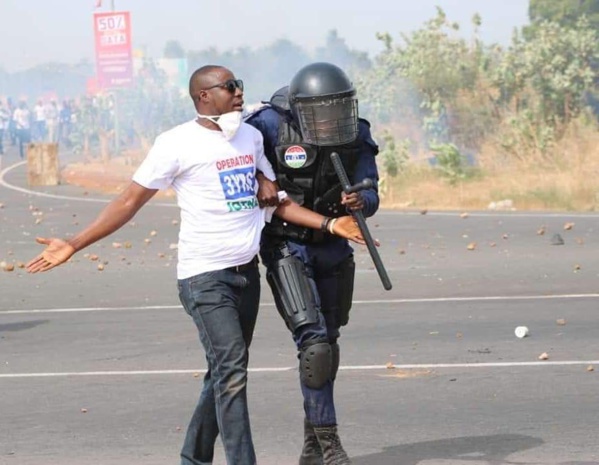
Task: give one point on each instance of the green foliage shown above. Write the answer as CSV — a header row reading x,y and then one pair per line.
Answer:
x,y
143,111
87,119
394,158
462,92
151,107
527,137
450,162
436,61
564,12
421,77
433,86
550,72
544,79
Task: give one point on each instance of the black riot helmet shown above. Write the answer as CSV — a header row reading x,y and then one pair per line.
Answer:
x,y
323,102
280,98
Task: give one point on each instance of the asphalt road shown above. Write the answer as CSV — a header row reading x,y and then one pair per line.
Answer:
x,y
104,367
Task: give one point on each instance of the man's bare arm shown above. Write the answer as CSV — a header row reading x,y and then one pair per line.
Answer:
x,y
295,213
111,218
114,216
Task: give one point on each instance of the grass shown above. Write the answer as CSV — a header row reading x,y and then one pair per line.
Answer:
x,y
541,190
564,179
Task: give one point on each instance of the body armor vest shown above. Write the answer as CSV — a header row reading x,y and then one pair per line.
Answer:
x,y
307,174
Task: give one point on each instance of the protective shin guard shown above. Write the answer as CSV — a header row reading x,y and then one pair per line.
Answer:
x,y
335,360
332,450
293,292
312,452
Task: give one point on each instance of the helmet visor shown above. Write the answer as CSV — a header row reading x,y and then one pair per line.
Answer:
x,y
332,121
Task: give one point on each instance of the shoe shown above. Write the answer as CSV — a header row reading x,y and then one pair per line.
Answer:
x,y
330,443
312,452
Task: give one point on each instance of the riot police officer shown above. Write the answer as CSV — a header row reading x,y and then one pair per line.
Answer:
x,y
310,272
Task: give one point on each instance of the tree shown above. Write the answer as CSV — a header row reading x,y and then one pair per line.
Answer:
x,y
173,49
550,72
544,79
433,66
336,51
564,12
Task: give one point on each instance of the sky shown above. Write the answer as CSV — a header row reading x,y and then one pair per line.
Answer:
x,y
38,31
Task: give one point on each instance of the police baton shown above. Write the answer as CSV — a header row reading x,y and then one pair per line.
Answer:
x,y
359,217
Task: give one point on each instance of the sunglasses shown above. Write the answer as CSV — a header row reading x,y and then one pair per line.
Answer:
x,y
231,85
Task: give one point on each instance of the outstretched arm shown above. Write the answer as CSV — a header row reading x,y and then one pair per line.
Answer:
x,y
116,214
344,227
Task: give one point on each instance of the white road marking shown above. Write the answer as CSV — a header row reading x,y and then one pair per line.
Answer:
x,y
271,304
5,184
492,214
286,369
495,214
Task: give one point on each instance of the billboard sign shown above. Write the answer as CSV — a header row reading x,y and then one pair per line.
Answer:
x,y
114,56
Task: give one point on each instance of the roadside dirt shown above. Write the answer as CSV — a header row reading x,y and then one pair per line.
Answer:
x,y
97,177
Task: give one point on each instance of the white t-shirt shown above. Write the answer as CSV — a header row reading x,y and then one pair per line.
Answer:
x,y
21,117
40,112
215,183
4,117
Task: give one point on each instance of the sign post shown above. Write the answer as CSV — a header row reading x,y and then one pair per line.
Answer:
x,y
114,56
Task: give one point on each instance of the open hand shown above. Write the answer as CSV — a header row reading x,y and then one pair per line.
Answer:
x,y
347,227
57,251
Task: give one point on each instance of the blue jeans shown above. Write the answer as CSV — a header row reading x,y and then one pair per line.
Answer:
x,y
24,138
224,307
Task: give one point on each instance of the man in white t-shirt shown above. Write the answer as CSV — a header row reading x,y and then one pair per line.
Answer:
x,y
4,119
52,111
22,120
211,163
39,121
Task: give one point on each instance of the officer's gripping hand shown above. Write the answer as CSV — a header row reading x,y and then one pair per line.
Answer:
x,y
353,201
57,251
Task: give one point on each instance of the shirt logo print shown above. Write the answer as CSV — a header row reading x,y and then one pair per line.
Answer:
x,y
238,187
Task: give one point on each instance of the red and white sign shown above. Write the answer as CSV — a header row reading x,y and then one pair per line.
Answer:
x,y
114,56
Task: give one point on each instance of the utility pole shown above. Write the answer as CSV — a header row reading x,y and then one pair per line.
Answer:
x,y
117,138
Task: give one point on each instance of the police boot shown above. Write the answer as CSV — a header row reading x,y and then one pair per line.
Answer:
x,y
332,450
311,453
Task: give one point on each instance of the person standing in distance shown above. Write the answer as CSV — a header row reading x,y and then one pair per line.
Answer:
x,y
211,163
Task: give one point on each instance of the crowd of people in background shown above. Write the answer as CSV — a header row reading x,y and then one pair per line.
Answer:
x,y
49,121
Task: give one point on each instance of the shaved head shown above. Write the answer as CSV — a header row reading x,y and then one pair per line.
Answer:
x,y
211,95
203,77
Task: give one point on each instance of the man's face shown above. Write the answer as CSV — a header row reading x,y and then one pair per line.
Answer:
x,y
219,94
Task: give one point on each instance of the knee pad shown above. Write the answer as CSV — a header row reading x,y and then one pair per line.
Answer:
x,y
316,364
335,360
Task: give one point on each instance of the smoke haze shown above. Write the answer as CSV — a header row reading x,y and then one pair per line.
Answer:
x,y
41,31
